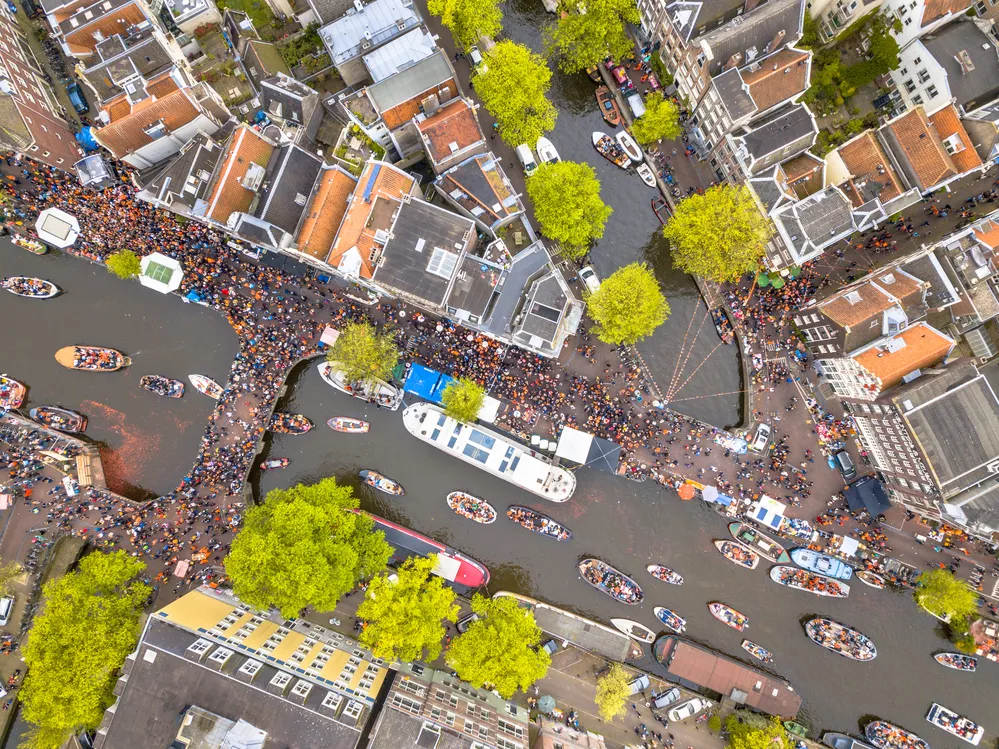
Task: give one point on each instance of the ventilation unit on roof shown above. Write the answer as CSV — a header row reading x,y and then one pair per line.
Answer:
x,y
853,297
254,177
964,60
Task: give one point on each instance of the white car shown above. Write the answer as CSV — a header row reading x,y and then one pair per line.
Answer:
x,y
589,278
688,709
761,439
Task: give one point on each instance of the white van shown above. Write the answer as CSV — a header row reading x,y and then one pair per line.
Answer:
x,y
6,607
636,105
527,159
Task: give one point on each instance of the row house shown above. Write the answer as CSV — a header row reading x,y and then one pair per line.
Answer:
x,y
363,29
869,177
754,149
916,17
258,59
451,134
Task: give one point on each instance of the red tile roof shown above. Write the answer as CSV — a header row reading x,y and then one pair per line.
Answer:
x,y
866,160
947,123
126,134
329,204
778,77
228,194
921,347
922,148
455,123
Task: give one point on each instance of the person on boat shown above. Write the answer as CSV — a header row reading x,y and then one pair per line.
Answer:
x,y
89,358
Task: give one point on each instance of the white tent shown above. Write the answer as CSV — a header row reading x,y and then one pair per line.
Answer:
x,y
160,272
587,449
57,228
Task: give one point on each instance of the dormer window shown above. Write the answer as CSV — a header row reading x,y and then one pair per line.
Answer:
x,y
155,131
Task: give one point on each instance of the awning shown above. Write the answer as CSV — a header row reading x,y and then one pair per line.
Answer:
x,y
57,228
849,546
686,491
161,273
868,494
280,261
329,336
427,383
589,450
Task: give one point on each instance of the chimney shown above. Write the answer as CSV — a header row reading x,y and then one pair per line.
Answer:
x,y
733,61
776,42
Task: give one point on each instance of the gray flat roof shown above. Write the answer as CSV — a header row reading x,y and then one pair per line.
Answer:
x,y
424,75
970,88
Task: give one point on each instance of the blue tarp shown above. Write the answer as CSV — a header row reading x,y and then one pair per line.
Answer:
x,y
427,383
86,140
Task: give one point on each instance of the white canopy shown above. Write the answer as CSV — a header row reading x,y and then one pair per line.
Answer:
x,y
849,546
574,445
490,410
161,272
57,228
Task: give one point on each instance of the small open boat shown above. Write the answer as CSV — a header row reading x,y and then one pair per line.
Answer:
x,y
162,386
633,629
843,741
348,425
665,574
670,619
206,385
608,106
610,150
62,419
737,553
723,326
809,582
821,563
727,615
274,463
608,580
869,578
647,175
795,728
471,507
594,73
957,661
92,358
841,640
382,483
377,392
30,288
11,393
538,522
286,423
759,652
629,146
957,725
886,735
546,151
759,542
31,245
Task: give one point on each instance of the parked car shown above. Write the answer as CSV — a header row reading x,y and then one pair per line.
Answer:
x,y
527,159
844,463
761,439
464,624
665,699
475,56
687,709
76,98
6,607
589,278
31,8
550,647
638,685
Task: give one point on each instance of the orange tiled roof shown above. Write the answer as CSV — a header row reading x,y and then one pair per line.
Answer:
x,y
800,166
923,346
935,9
114,23
989,236
453,123
329,204
228,194
922,149
405,111
876,296
865,159
162,85
947,122
125,134
778,77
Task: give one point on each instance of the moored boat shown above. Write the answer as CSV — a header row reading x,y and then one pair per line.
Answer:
x,y
665,574
61,419
471,507
31,245
287,423
377,392
11,393
613,582
885,735
809,582
727,615
957,725
546,151
723,326
759,652
610,150
759,542
608,106
30,288
92,358
348,425
162,386
633,629
670,619
647,175
871,579
594,73
957,661
382,483
842,741
629,146
274,463
737,553
538,522
206,385
841,639
821,563
795,728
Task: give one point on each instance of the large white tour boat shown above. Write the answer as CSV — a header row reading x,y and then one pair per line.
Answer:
x,y
378,392
490,451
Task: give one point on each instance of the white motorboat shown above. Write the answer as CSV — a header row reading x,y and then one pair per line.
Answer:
x,y
206,385
633,629
546,151
955,724
378,392
630,146
647,175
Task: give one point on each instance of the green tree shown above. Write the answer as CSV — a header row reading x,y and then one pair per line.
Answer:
x,y
304,547
612,692
9,572
567,205
124,264
628,306
500,648
513,85
587,36
661,120
467,20
90,623
942,594
405,612
364,354
463,399
744,734
714,724
718,235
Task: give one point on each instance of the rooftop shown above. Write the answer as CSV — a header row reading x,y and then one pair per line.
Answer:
x,y
920,152
329,204
246,152
480,186
777,77
950,130
425,75
749,35
969,57
450,130
866,301
812,224
358,31
131,131
871,173
915,347
399,54
291,175
186,178
791,130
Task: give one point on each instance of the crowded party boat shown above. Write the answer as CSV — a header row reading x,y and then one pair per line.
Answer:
x,y
376,391
670,619
30,288
957,661
840,639
723,326
737,553
92,358
348,425
471,507
871,579
538,522
759,652
382,483
884,735
665,574
957,725
727,615
11,393
274,463
608,580
809,582
162,386
61,419
759,542
206,385
821,563
610,150
288,423
633,629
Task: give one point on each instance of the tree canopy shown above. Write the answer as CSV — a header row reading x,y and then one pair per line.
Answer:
x,y
363,353
612,692
567,205
628,306
463,399
513,84
755,732
304,547
718,235
582,39
499,649
467,20
90,623
9,572
405,612
124,264
941,593
661,120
